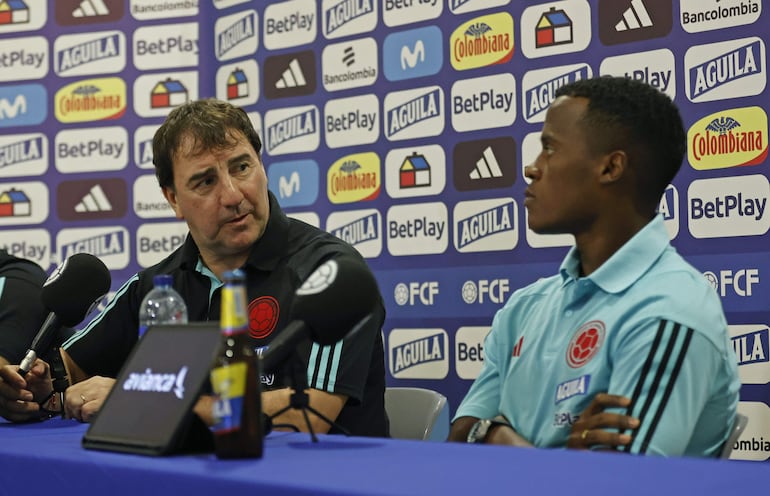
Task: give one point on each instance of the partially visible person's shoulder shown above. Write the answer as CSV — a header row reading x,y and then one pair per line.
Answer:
x,y
11,263
305,238
184,257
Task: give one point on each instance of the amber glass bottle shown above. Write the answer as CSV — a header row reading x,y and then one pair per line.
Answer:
x,y
235,379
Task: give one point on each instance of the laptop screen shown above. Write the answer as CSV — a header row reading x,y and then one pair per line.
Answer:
x,y
150,406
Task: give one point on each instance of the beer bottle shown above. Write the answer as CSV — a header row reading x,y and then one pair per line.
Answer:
x,y
235,379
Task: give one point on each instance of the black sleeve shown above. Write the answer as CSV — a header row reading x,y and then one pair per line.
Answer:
x,y
21,308
103,345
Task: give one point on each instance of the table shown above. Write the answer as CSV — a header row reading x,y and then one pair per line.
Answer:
x,y
47,458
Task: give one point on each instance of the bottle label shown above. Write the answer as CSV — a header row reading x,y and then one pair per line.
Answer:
x,y
233,318
229,384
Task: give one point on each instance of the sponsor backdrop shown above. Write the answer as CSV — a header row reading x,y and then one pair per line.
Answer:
x,y
401,126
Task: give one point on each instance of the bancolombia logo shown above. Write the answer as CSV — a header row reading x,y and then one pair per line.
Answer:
x,y
91,100
706,15
730,138
354,178
483,41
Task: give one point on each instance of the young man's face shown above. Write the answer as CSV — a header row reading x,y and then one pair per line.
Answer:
x,y
565,174
222,195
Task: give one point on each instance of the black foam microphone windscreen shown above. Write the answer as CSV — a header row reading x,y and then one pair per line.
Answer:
x,y
76,287
332,302
72,290
335,297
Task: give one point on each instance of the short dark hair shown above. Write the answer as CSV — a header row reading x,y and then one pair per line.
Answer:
x,y
638,118
209,122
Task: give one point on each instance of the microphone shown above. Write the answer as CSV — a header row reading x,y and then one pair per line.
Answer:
x,y
334,301
70,293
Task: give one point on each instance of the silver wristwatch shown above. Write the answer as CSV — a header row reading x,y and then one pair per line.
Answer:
x,y
480,428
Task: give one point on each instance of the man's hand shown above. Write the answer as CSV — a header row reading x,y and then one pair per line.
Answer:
x,y
505,435
497,434
19,396
591,428
84,399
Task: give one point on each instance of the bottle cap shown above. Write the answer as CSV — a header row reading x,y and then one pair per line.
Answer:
x,y
234,276
162,280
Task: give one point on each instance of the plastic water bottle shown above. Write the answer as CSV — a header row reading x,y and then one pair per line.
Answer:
x,y
162,305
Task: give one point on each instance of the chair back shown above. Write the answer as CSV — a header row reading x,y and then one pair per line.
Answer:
x,y
738,426
417,413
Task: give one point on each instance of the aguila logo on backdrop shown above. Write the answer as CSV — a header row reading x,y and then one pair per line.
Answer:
x,y
292,130
361,227
236,35
725,70
418,353
752,347
90,54
23,150
110,243
347,17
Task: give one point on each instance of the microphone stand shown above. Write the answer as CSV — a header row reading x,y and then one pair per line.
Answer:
x,y
59,377
299,400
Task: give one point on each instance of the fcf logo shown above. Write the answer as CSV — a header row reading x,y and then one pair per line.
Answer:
x,y
585,343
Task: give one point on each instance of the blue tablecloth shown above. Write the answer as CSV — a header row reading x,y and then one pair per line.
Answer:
x,y
47,458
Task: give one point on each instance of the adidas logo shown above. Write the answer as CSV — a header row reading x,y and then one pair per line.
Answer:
x,y
487,166
91,8
292,77
94,201
635,17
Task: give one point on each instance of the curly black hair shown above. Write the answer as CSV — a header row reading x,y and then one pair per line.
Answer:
x,y
633,116
209,122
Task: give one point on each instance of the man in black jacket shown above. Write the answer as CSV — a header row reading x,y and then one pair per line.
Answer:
x,y
21,309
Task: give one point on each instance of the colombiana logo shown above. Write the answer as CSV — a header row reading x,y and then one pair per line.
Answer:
x,y
482,42
585,343
729,138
